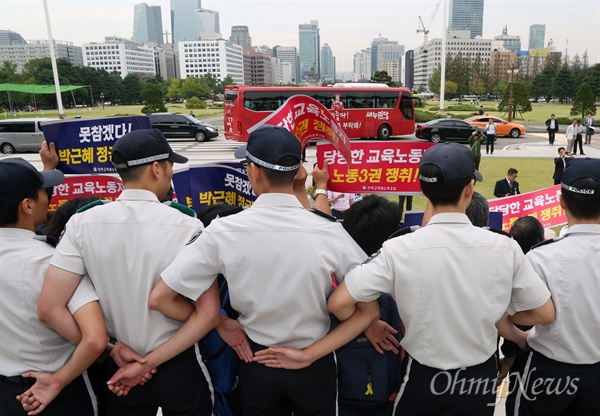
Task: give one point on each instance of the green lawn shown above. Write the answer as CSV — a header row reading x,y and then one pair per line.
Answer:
x,y
539,114
110,111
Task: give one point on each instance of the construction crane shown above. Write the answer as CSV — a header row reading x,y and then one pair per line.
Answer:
x,y
424,31
422,28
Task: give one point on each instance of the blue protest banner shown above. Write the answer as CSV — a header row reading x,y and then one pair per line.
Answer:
x,y
214,183
84,145
181,186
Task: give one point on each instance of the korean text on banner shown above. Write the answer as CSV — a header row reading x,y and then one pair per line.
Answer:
x,y
543,204
84,146
101,186
309,120
377,167
213,183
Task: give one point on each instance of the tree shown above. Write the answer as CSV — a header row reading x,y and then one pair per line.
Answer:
x,y
153,96
382,77
434,80
451,87
563,85
195,103
227,81
476,85
584,101
191,87
174,89
521,101
131,91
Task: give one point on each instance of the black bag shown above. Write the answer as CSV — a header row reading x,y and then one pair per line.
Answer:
x,y
368,380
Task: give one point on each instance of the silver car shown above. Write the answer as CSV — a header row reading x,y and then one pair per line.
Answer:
x,y
21,135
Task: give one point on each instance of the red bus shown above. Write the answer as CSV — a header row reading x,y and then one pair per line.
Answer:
x,y
363,111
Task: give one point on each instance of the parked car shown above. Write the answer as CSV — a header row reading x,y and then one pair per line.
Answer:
x,y
444,129
183,126
503,127
21,135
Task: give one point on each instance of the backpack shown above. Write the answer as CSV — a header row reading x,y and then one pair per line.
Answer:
x,y
222,362
368,380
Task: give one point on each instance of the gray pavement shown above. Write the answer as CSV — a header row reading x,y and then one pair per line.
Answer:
x,y
541,149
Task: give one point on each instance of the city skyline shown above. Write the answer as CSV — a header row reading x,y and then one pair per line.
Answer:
x,y
347,26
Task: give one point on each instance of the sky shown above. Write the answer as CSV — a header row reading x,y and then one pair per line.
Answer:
x,y
347,26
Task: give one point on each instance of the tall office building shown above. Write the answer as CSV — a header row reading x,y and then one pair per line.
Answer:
x,y
240,35
209,21
120,55
8,37
409,69
310,48
537,35
147,24
509,42
211,56
374,46
288,55
185,20
466,15
327,64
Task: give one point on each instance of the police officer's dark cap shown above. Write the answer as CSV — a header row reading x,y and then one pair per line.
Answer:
x,y
454,160
141,147
580,169
268,144
19,179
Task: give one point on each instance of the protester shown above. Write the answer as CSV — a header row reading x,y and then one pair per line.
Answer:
x,y
579,138
570,135
37,364
283,305
478,210
565,354
192,114
507,186
340,202
551,128
590,127
560,164
475,141
462,351
490,134
123,246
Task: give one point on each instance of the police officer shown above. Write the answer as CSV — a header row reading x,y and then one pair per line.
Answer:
x,y
562,373
278,259
123,246
452,282
29,350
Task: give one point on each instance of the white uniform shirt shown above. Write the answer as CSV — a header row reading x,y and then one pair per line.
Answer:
x,y
571,269
25,343
123,246
491,129
278,259
452,283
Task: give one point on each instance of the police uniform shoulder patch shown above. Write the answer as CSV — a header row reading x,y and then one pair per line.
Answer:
x,y
194,238
546,242
497,231
323,214
181,208
404,231
372,256
92,205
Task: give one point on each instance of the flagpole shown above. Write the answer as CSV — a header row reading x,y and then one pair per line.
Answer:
x,y
443,68
61,110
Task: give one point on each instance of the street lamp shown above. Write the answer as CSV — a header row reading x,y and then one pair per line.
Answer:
x,y
512,69
102,99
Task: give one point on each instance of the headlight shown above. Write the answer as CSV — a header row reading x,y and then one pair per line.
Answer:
x,y
211,129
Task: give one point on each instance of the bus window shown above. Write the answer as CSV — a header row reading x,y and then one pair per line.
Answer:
x,y
406,106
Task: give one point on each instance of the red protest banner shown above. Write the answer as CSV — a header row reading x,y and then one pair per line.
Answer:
x,y
308,119
105,187
377,167
543,204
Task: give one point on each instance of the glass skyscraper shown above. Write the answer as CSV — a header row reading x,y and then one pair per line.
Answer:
x,y
537,35
185,20
309,48
466,15
147,24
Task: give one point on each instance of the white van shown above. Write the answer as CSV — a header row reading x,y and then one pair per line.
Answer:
x,y
21,135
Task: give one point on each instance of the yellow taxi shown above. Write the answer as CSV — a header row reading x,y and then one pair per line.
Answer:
x,y
503,127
